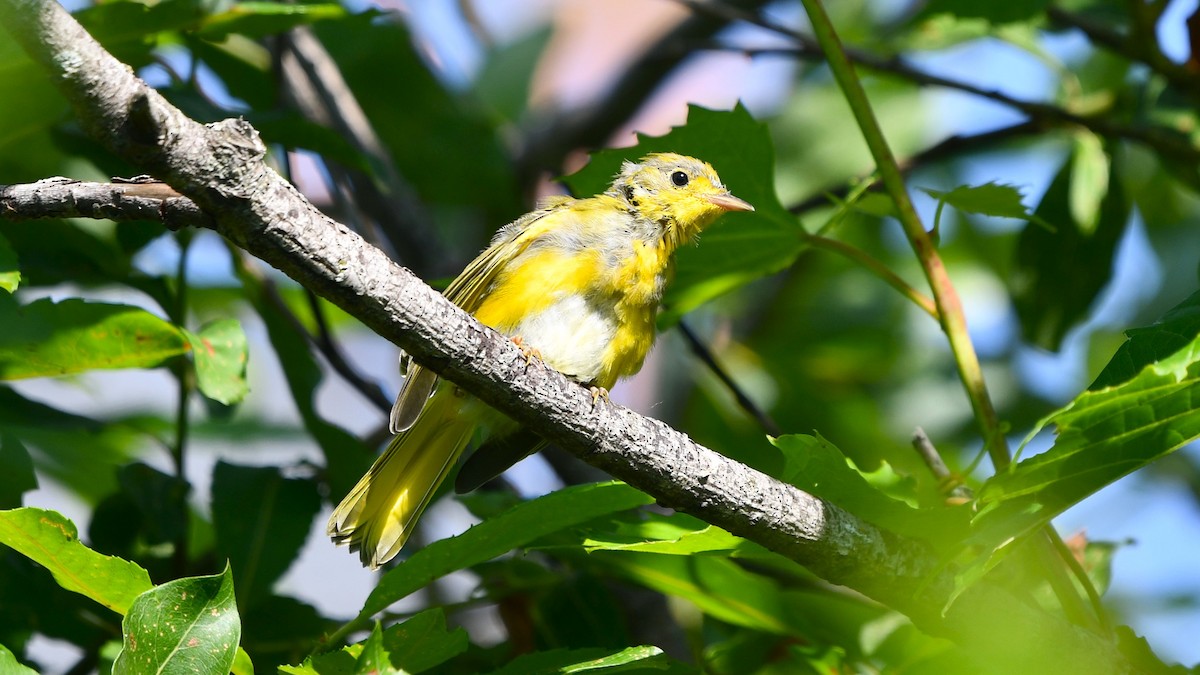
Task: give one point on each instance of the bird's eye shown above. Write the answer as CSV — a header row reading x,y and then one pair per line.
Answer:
x,y
679,178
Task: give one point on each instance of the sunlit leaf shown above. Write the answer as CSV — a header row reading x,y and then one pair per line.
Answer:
x,y
45,338
10,273
186,625
220,353
423,641
52,541
9,664
260,19
676,534
1175,330
717,586
1089,181
640,659
1103,434
373,659
521,524
415,645
816,466
242,665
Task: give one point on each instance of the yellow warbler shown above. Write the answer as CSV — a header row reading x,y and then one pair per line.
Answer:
x,y
577,282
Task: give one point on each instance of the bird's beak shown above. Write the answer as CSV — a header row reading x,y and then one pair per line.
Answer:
x,y
728,202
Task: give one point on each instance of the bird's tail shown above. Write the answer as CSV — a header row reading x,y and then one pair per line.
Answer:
x,y
378,515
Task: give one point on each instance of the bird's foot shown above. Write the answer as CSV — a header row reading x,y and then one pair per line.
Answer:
x,y
597,394
528,352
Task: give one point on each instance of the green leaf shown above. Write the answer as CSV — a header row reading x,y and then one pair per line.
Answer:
x,y
59,251
577,611
17,477
262,520
1103,434
242,665
676,534
1058,274
643,658
10,272
160,499
990,199
816,466
514,528
130,30
416,645
1176,329
1089,180
423,642
77,451
274,626
188,625
738,248
45,338
718,586
260,19
244,67
503,82
373,659
52,541
220,353
11,666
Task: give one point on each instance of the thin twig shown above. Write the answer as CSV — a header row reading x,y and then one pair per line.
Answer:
x,y
185,377
951,146
315,86
1068,556
329,348
702,352
951,485
1141,47
371,391
878,269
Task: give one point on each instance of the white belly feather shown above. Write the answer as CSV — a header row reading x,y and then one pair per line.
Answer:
x,y
571,335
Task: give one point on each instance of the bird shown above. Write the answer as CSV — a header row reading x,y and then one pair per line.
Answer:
x,y
577,283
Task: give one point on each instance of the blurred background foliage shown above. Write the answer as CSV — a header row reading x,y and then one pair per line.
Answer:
x,y
427,125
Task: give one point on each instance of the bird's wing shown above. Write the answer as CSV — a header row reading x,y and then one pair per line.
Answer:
x,y
467,291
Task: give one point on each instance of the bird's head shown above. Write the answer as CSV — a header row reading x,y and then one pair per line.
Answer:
x,y
681,194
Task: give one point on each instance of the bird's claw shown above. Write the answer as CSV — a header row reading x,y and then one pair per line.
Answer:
x,y
528,352
597,394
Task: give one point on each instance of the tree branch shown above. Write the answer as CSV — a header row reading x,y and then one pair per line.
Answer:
x,y
220,167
